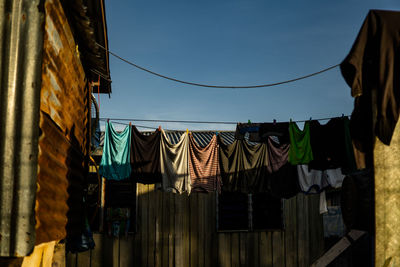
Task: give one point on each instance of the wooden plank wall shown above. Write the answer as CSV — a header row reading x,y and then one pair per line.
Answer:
x,y
179,230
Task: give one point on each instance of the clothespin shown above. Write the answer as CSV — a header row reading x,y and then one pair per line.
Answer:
x,y
291,120
187,131
310,118
342,115
249,121
274,121
159,127
130,124
108,120
216,133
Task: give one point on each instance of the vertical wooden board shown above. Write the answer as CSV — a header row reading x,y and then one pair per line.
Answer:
x,y
265,248
165,229
126,248
290,217
71,259
171,236
186,230
194,229
158,228
98,251
213,235
235,250
144,231
302,231
108,250
116,252
278,249
151,225
316,228
84,258
224,250
138,249
202,202
243,249
252,249
143,219
179,257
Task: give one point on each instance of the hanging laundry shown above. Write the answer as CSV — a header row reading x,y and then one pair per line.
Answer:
x,y
204,166
372,71
278,129
349,160
323,205
332,146
278,154
357,201
300,148
243,128
115,163
282,177
243,166
284,182
314,181
145,157
174,161
333,222
258,132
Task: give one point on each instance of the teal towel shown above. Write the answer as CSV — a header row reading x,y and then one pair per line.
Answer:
x,y
115,162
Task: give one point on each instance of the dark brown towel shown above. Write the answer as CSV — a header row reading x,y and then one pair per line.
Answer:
x,y
145,157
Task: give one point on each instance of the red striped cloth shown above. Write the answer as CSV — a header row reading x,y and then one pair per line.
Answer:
x,y
204,166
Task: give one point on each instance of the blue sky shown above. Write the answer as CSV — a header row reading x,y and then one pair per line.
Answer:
x,y
231,42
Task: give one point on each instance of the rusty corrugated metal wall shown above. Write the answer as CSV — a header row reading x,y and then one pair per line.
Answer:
x,y
63,144
21,40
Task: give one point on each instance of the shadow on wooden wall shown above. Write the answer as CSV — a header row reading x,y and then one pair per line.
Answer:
x,y
180,230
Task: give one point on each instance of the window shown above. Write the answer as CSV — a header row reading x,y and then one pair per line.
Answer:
x,y
248,212
120,212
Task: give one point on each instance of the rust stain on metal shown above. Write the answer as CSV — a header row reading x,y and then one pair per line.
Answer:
x,y
64,140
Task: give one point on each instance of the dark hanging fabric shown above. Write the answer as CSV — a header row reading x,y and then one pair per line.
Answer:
x,y
243,128
243,166
259,132
357,201
145,157
282,179
284,182
372,71
331,145
278,129
349,159
277,154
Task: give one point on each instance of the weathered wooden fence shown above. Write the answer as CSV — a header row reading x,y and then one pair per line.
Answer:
x,y
180,230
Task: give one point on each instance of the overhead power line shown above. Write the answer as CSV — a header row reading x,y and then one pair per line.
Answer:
x,y
217,86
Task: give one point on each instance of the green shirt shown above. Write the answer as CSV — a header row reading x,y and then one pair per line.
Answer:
x,y
300,147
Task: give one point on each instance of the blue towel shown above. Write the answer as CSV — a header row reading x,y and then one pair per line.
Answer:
x,y
115,162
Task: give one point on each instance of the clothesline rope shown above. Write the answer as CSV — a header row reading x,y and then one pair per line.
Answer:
x,y
216,86
200,122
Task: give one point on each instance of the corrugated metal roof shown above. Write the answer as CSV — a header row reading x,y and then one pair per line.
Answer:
x,y
21,40
87,18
